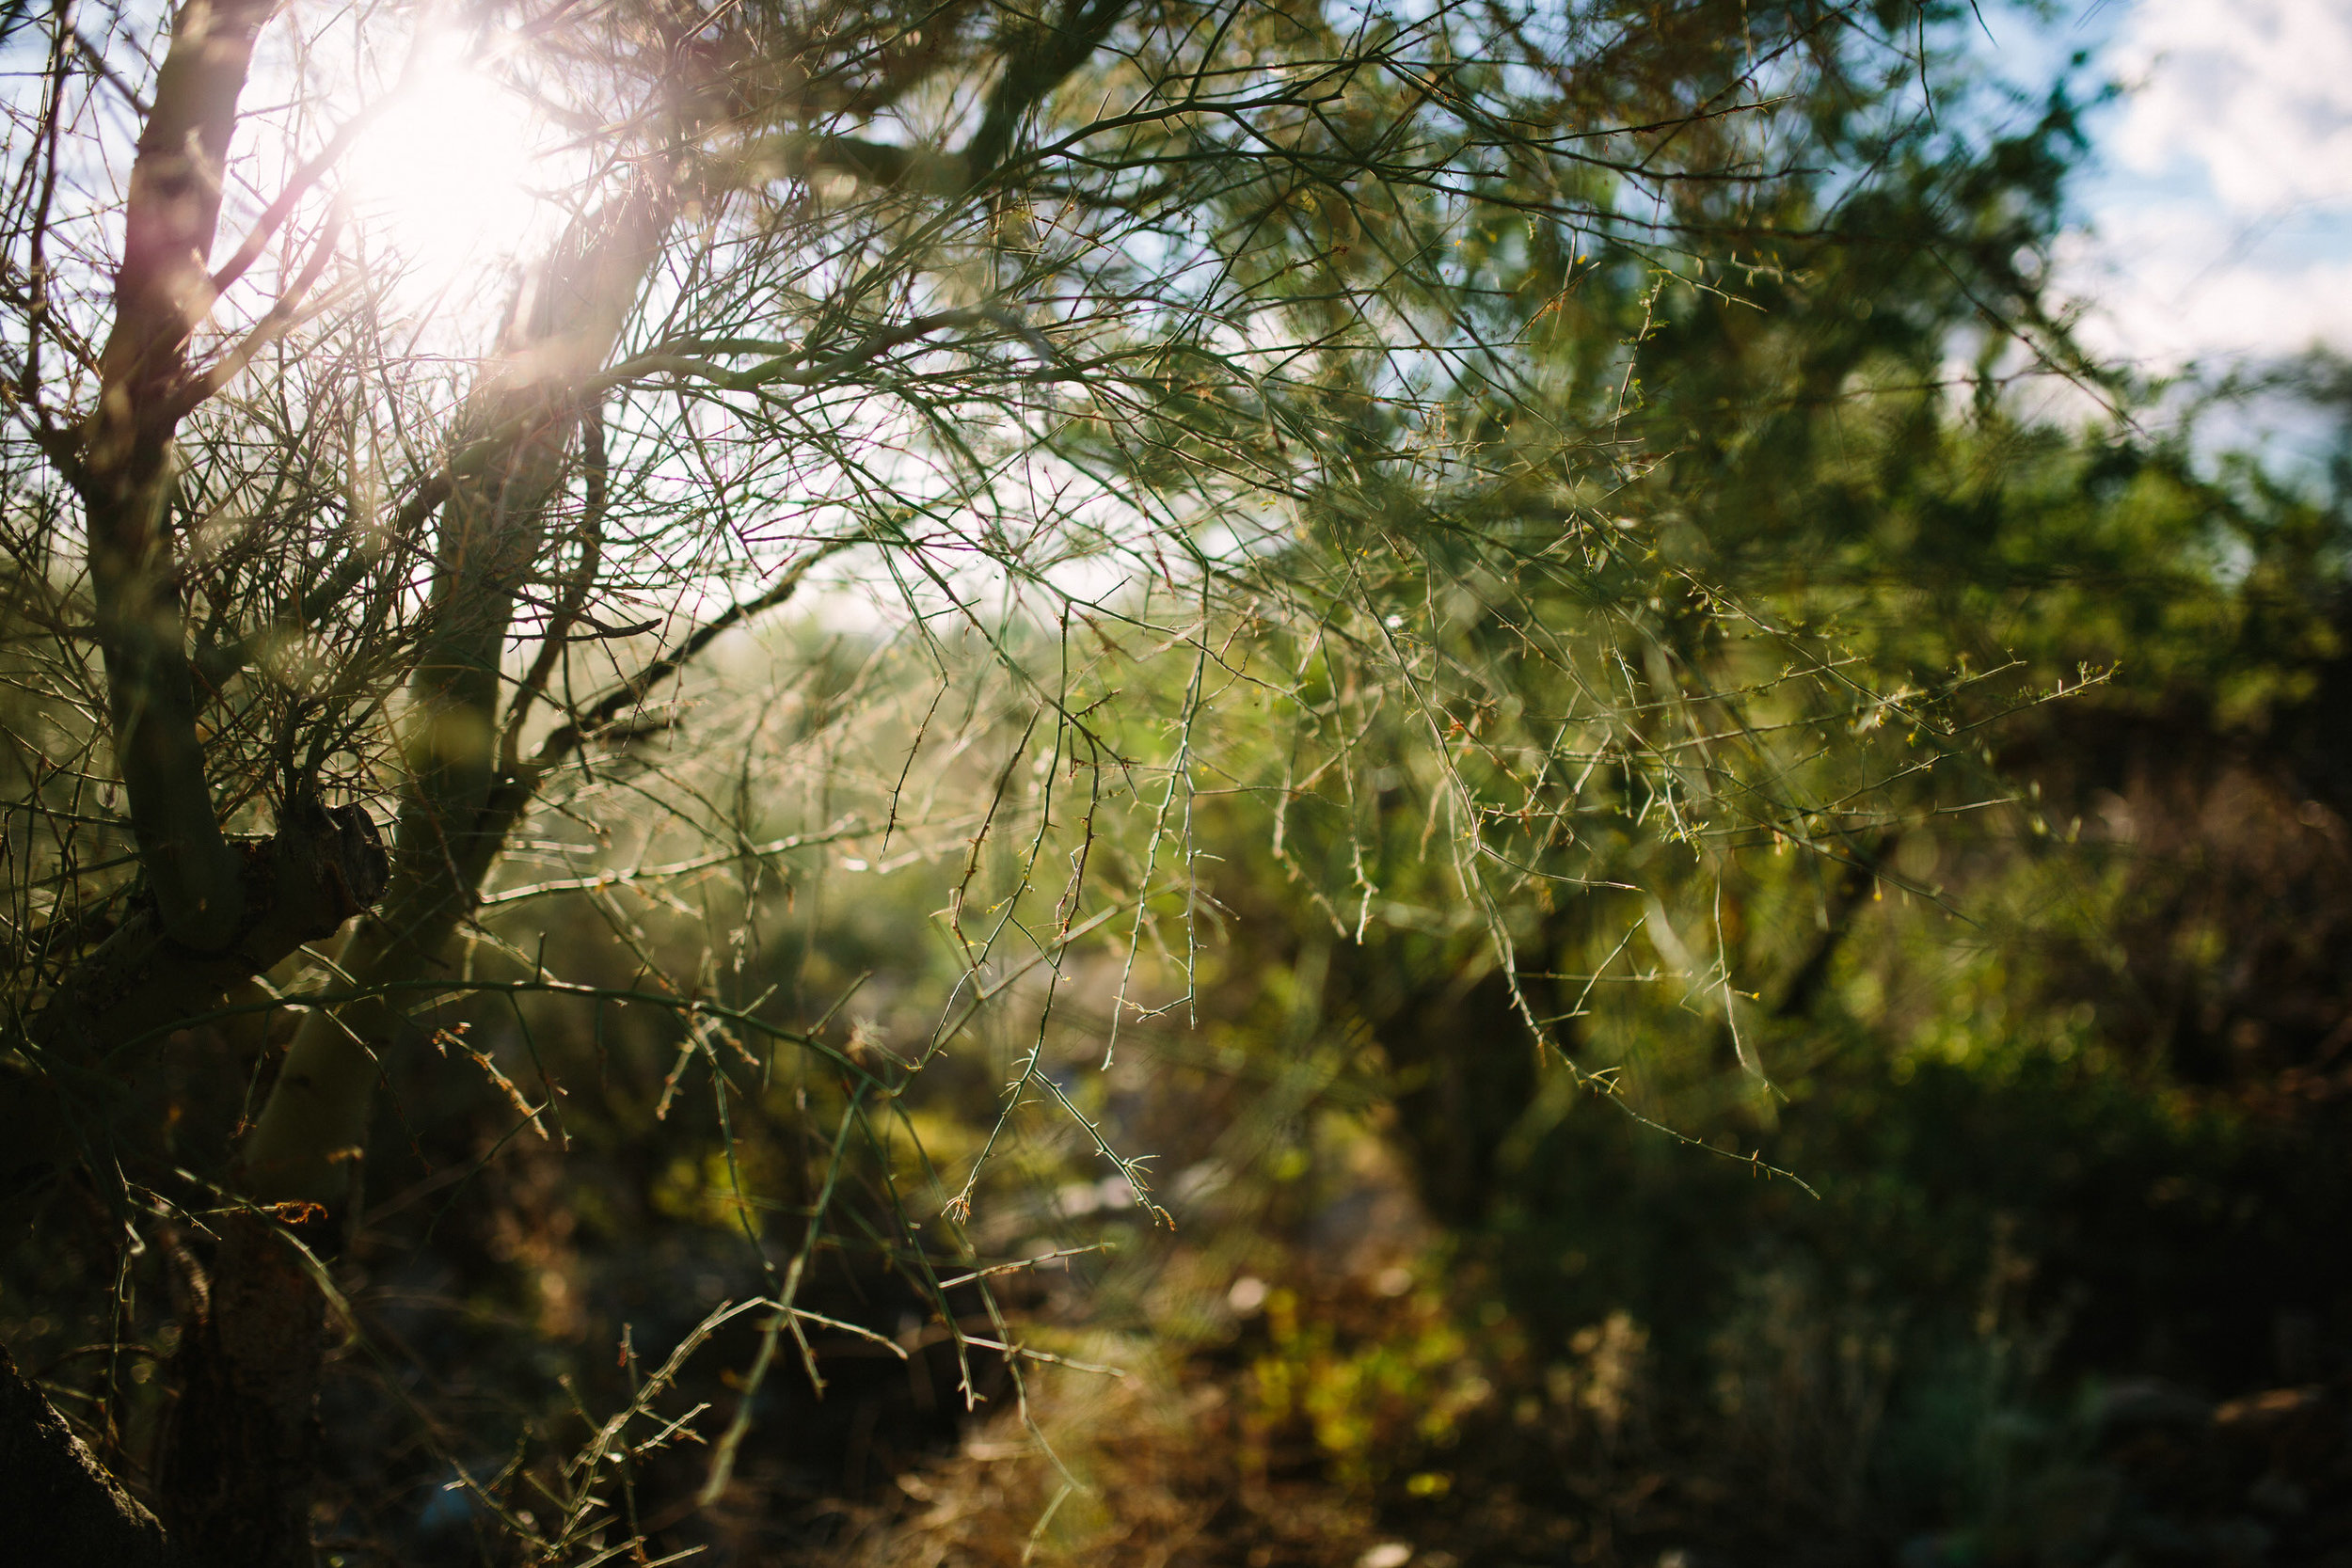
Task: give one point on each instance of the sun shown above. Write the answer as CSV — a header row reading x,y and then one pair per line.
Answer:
x,y
445,175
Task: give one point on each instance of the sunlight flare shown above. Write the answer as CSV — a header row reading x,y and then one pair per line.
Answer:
x,y
446,174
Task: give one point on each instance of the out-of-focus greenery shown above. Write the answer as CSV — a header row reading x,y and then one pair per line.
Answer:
x,y
2052,1023
1977,1200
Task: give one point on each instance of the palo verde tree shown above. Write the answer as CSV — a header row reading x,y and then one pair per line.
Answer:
x,y
319,583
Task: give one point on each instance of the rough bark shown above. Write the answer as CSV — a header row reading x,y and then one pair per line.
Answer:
x,y
323,865
242,1457
61,1508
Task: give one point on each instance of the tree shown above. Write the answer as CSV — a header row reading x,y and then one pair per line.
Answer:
x,y
973,305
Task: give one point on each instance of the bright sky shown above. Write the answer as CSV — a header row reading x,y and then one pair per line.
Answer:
x,y
447,170
2218,217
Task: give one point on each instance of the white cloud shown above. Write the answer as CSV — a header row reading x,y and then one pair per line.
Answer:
x,y
2258,93
2161,319
2220,225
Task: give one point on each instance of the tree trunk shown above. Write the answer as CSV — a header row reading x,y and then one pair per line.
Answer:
x,y
60,1508
458,804
323,865
242,1456
211,912
126,472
